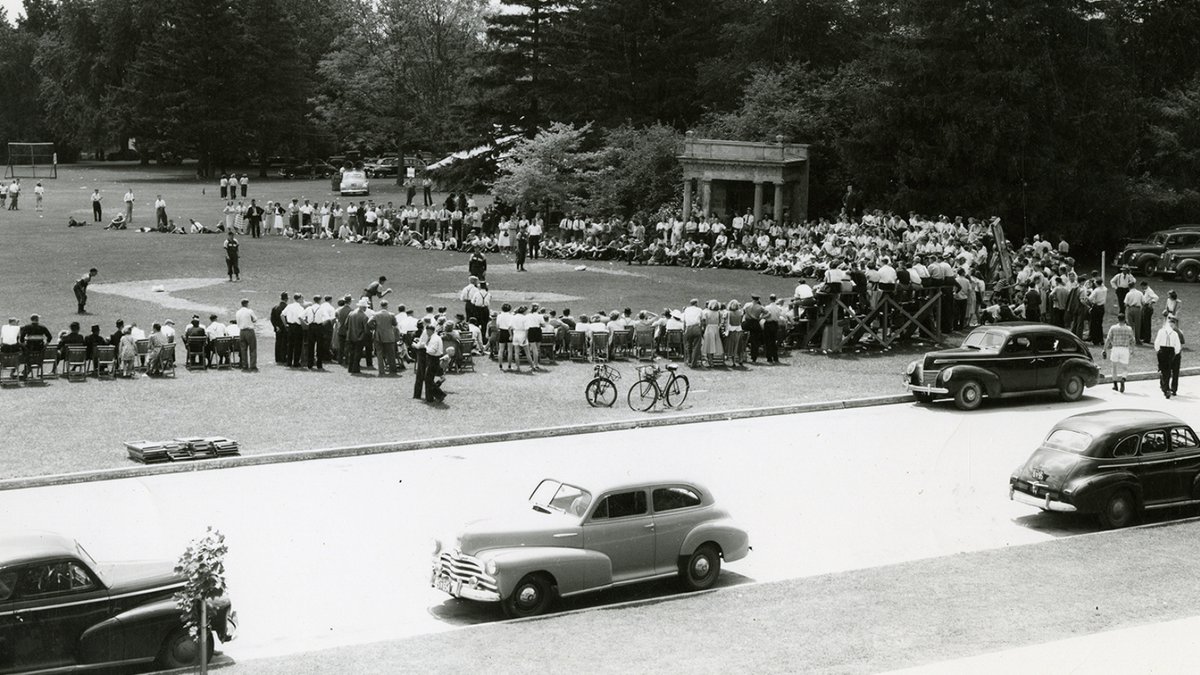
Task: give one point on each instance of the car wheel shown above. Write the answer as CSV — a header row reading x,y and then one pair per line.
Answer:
x,y
1190,273
700,570
1071,388
179,650
1148,268
532,596
969,396
1119,511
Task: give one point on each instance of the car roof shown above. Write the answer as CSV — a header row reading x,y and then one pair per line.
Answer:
x,y
1025,327
22,547
1104,422
598,485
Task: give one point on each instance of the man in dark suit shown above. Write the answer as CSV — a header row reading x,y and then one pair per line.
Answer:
x,y
387,334
281,344
358,332
339,318
93,340
115,338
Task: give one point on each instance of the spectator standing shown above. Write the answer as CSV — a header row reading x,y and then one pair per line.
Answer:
x,y
1096,300
693,332
292,316
1121,283
1133,311
246,321
772,320
280,326
434,355
1149,300
477,265
522,248
129,199
254,216
14,193
81,286
97,209
1166,347
1116,349
224,186
244,181
160,212
1174,305
358,331
38,193
386,331
713,326
752,324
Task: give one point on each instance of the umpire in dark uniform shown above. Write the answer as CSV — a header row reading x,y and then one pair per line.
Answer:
x,y
281,342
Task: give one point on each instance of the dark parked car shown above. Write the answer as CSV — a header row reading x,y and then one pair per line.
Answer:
x,y
59,609
1113,463
1183,262
1002,360
311,169
1145,256
385,166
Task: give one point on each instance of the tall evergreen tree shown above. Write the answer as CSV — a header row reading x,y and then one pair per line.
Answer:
x,y
515,73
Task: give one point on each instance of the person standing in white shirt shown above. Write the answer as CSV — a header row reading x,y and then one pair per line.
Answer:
x,y
1167,346
129,207
38,193
246,320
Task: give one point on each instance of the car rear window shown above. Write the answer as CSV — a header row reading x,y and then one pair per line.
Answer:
x,y
1068,440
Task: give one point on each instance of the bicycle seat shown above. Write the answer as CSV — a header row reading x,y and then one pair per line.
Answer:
x,y
672,367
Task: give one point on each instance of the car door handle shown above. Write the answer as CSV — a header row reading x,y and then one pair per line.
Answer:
x,y
19,616
649,526
565,534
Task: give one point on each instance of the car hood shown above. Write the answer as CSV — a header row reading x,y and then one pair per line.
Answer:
x,y
1048,467
139,575
1143,247
957,354
522,528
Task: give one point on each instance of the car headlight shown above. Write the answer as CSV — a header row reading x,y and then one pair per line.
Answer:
x,y
947,373
912,368
437,546
490,568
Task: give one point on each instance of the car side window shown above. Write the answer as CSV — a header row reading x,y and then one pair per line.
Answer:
x,y
58,577
1154,442
1183,438
8,584
669,499
621,505
1017,345
1046,344
1128,447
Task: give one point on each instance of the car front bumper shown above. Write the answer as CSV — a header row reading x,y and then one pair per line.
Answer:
x,y
1043,503
925,389
460,589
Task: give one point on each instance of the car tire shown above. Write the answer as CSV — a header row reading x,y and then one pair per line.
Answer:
x,y
532,596
1148,268
1071,387
969,395
1119,510
179,650
699,571
1190,273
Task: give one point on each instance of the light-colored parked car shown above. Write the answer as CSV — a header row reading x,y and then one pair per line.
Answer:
x,y
572,540
355,183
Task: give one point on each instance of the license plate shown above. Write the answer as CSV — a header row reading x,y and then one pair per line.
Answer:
x,y
446,585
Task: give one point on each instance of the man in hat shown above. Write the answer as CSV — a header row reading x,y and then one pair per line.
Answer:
x,y
168,330
342,319
246,320
1167,348
772,320
386,331
1121,283
280,326
434,355
752,324
692,331
1133,310
293,317
358,332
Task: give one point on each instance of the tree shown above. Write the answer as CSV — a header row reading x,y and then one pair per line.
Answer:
x,y
514,74
202,567
21,114
639,171
549,171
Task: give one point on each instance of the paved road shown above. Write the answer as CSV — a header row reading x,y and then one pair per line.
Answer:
x,y
336,552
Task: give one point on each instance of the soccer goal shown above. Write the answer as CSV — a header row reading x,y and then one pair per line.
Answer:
x,y
31,160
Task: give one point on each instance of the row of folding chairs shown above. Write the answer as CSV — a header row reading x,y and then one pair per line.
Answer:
x,y
39,364
225,352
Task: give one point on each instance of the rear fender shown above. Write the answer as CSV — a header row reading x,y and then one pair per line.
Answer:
x,y
989,380
1090,371
733,541
1088,494
137,633
573,569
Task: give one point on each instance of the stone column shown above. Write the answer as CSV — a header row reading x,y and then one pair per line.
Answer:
x,y
778,215
687,199
705,196
800,196
758,200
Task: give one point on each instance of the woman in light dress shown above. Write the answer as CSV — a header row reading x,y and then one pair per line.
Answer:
x,y
732,318
710,345
239,218
228,211
277,226
505,241
326,230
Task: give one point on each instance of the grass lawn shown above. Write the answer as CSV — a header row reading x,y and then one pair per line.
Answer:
x,y
77,426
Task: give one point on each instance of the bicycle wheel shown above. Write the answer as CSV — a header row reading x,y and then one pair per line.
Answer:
x,y
601,392
677,391
643,395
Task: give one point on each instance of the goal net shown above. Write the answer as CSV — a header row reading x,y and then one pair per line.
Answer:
x,y
31,160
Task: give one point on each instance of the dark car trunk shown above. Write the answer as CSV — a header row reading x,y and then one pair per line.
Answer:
x,y
1049,467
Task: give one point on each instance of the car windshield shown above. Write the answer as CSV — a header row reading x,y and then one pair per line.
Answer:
x,y
1066,440
91,562
1158,240
551,494
990,339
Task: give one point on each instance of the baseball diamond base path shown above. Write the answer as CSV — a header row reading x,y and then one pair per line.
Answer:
x,y
913,615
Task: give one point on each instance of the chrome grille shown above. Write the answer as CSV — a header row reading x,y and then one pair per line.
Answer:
x,y
464,568
929,378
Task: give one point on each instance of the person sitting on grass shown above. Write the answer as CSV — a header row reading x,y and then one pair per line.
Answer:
x,y
200,228
71,222
117,223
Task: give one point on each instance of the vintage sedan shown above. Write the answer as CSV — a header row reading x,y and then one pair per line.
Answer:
x,y
61,610
1006,359
354,182
572,539
1113,463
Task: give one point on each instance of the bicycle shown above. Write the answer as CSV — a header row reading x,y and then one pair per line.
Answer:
x,y
602,389
646,391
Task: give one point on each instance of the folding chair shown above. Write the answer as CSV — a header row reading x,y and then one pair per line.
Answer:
x,y
76,366
466,360
10,363
620,343
50,356
166,360
577,345
221,348
675,343
547,344
195,353
143,352
644,346
106,362
599,347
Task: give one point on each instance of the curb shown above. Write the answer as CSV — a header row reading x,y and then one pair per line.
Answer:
x,y
495,437
441,442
